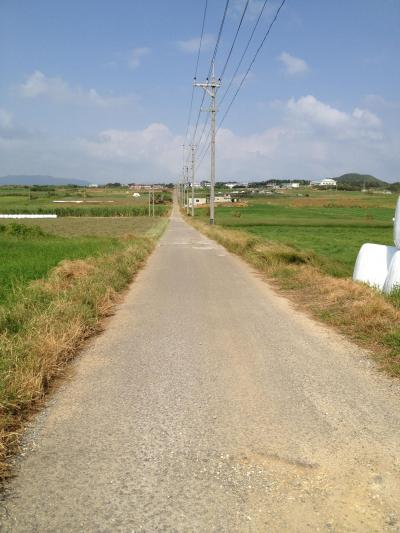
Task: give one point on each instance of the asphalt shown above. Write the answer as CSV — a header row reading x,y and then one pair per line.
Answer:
x,y
210,404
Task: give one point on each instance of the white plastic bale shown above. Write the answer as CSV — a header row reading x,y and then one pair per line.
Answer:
x,y
396,226
372,264
393,277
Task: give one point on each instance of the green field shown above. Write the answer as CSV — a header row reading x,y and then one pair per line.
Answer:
x,y
332,224
30,248
78,201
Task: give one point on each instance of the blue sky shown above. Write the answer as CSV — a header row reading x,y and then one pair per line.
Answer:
x,y
100,90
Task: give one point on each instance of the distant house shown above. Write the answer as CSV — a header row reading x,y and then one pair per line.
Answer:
x,y
205,184
197,201
93,185
328,182
223,199
136,195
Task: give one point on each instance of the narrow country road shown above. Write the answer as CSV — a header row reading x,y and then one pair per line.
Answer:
x,y
210,404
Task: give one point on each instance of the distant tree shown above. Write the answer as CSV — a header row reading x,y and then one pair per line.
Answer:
x,y
116,184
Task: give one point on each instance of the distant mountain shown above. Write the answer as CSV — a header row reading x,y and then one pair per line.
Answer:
x,y
394,187
40,180
359,180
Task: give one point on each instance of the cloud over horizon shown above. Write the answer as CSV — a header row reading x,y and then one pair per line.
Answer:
x,y
58,90
137,55
293,65
192,45
311,139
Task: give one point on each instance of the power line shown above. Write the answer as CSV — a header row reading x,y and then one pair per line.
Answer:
x,y
214,55
197,67
244,77
241,59
234,39
251,63
244,51
225,66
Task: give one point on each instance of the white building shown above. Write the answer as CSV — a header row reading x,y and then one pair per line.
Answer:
x,y
223,199
328,182
197,201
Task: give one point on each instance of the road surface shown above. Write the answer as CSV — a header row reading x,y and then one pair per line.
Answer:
x,y
210,404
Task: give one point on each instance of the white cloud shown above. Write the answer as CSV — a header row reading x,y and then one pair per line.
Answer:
x,y
293,65
311,139
192,45
311,109
5,119
312,113
253,9
378,101
153,147
137,55
56,89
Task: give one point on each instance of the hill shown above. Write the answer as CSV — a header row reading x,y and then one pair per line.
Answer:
x,y
38,179
359,180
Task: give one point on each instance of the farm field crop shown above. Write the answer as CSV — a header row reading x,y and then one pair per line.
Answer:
x,y
30,248
332,224
78,201
92,226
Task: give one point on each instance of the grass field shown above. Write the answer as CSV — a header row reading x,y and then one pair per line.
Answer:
x,y
78,201
92,226
332,224
29,250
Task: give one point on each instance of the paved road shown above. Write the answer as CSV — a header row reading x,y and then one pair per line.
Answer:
x,y
209,404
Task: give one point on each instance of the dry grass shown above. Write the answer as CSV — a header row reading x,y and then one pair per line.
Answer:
x,y
44,330
363,314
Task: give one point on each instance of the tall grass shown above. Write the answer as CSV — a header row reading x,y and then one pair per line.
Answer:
x,y
27,253
90,211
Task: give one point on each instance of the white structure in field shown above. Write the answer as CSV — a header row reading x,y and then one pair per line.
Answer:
x,y
28,216
327,182
379,265
197,201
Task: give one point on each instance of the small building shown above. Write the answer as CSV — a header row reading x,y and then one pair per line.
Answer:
x,y
197,201
136,195
223,199
328,182
205,184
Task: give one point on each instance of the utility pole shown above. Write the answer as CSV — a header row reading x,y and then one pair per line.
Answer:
x,y
211,87
153,199
193,147
149,202
187,188
183,191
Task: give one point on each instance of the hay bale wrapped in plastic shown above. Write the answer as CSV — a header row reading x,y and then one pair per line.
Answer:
x,y
396,226
393,278
372,264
